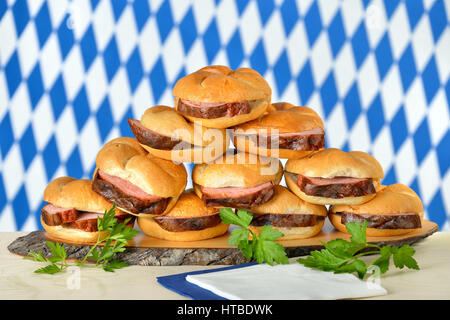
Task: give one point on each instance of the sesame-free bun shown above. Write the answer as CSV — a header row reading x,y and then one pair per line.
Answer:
x,y
285,202
189,205
71,235
330,163
222,84
209,143
281,117
125,158
389,200
237,170
286,118
293,186
67,192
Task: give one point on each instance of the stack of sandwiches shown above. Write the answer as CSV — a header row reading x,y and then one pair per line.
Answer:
x,y
146,179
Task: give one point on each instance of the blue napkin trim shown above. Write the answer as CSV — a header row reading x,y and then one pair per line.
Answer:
x,y
179,284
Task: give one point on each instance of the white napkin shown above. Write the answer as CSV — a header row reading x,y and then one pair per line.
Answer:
x,y
284,282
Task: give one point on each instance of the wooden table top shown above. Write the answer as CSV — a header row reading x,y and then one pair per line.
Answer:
x,y
18,281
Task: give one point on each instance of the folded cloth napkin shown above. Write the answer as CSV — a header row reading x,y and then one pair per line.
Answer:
x,y
284,282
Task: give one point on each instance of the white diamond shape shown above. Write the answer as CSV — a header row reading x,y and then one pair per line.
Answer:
x,y
20,111
28,49
80,17
297,48
438,117
250,28
142,99
422,43
73,72
66,133
35,182
344,70
196,59
399,32
103,24
149,44
336,125
368,81
96,84
383,149
428,177
227,19
7,220
375,21
203,13
42,122
126,34
442,55
179,9
57,9
119,95
391,93
13,172
405,163
89,144
359,138
8,36
328,10
352,12
274,38
173,55
415,105
321,59
50,61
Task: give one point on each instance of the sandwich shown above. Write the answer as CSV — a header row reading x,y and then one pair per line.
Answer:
x,y
285,131
395,210
72,210
237,180
138,182
163,132
292,216
218,97
332,176
188,220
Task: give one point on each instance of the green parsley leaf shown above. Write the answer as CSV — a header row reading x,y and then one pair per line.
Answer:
x,y
357,266
242,219
383,261
238,235
403,257
358,232
114,264
50,269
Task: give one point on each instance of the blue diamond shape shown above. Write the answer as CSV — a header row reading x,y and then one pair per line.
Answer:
x,y
134,69
399,129
94,4
241,5
258,59
164,20
383,56
305,83
415,186
111,58
158,80
289,13
105,118
422,141
118,7
37,215
20,207
375,116
436,210
7,135
430,80
88,48
390,177
74,166
313,23
51,159
125,130
35,86
235,52
21,15
58,97
265,8
43,24
329,95
188,30
81,108
447,91
282,73
211,41
3,8
407,68
336,33
390,6
27,147
2,194
141,11
65,37
13,74
438,19
443,154
415,10
352,105
360,45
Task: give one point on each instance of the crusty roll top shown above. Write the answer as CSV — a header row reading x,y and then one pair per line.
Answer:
x,y
285,202
126,159
330,163
222,84
238,170
69,192
168,122
190,205
396,198
286,118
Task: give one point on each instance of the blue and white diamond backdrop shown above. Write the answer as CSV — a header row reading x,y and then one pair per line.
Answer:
x,y
72,72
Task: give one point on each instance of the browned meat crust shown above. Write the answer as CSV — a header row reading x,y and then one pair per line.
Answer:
x,y
177,224
247,201
309,142
58,218
397,221
227,109
285,220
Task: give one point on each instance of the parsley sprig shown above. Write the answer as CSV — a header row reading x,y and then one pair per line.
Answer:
x,y
341,256
112,234
262,247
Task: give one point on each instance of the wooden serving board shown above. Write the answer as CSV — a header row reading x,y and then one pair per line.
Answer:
x,y
148,251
